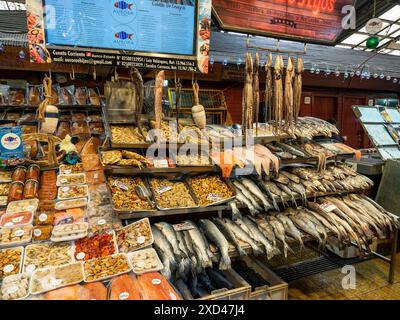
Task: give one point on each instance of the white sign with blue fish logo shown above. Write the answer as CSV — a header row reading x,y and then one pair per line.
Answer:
x,y
11,146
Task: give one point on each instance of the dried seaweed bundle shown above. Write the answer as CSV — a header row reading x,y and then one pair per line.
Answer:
x,y
288,103
268,89
297,89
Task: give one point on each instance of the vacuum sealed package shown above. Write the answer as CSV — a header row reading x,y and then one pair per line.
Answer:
x,y
94,96
4,93
53,100
34,94
16,97
66,95
81,96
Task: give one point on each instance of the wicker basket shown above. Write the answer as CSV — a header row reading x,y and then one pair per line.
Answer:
x,y
45,138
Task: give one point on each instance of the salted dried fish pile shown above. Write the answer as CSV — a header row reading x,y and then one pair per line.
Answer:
x,y
320,152
158,94
309,127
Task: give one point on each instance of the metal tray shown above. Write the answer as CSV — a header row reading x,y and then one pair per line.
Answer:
x,y
226,181
177,179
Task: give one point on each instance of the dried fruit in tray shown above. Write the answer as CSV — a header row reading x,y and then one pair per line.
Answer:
x,y
15,287
16,219
68,232
15,236
30,205
42,233
171,194
104,268
4,187
100,224
135,236
72,203
10,261
71,192
71,168
44,280
44,217
71,179
210,189
43,255
97,246
95,177
5,176
124,196
144,261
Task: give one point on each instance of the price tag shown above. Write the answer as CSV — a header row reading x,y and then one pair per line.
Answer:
x,y
163,189
96,175
183,226
140,264
214,197
80,255
30,268
101,222
120,185
8,268
42,217
11,290
19,233
65,189
37,232
67,171
123,295
141,239
63,180
328,207
30,208
17,219
9,224
56,282
161,163
156,281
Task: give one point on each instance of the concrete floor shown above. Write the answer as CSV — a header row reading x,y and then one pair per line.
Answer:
x,y
371,284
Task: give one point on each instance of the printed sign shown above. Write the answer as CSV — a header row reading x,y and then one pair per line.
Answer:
x,y
11,146
318,21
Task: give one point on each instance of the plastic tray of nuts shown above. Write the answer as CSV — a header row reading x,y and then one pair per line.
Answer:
x,y
211,189
173,193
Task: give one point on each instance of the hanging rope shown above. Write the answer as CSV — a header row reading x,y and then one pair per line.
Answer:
x,y
196,90
52,155
47,87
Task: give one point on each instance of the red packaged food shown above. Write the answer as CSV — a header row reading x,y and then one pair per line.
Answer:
x,y
16,191
69,216
98,246
31,189
16,219
19,174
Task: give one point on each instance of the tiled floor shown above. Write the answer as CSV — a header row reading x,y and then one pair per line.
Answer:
x,y
371,284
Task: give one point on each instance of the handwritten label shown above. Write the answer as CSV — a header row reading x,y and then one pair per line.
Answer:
x,y
42,217
8,268
156,281
141,239
80,255
19,233
120,185
163,189
183,226
161,163
214,197
123,295
30,268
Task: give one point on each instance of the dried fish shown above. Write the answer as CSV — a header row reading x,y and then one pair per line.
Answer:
x,y
268,89
297,89
158,94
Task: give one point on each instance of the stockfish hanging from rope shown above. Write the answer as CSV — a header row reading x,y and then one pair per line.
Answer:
x,y
247,103
268,89
278,93
297,89
288,103
158,94
256,90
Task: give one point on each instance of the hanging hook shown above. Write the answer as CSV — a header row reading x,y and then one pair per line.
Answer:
x,y
72,75
175,77
305,48
94,73
278,45
116,74
192,78
248,42
49,72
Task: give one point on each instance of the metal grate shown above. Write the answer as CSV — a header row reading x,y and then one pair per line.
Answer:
x,y
314,266
208,98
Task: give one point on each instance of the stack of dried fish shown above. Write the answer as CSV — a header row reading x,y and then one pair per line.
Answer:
x,y
320,152
287,150
309,127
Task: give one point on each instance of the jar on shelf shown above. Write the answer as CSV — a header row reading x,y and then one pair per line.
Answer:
x,y
33,172
16,191
19,174
31,189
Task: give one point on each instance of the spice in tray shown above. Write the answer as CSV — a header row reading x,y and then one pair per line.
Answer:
x,y
97,246
10,261
171,194
124,195
107,267
210,189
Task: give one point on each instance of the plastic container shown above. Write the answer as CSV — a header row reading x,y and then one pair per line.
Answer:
x,y
105,268
44,218
41,233
17,236
42,255
5,176
52,278
144,261
23,205
135,236
31,190
99,195
19,174
16,219
33,172
71,169
72,192
71,179
69,216
16,191
72,203
68,232
94,247
11,261
15,287
105,211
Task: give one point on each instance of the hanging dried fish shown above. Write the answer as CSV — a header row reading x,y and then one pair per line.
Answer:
x,y
297,89
158,94
137,81
256,90
268,89
278,93
288,103
247,103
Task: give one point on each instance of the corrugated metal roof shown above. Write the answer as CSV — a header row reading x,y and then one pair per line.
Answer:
x,y
13,21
